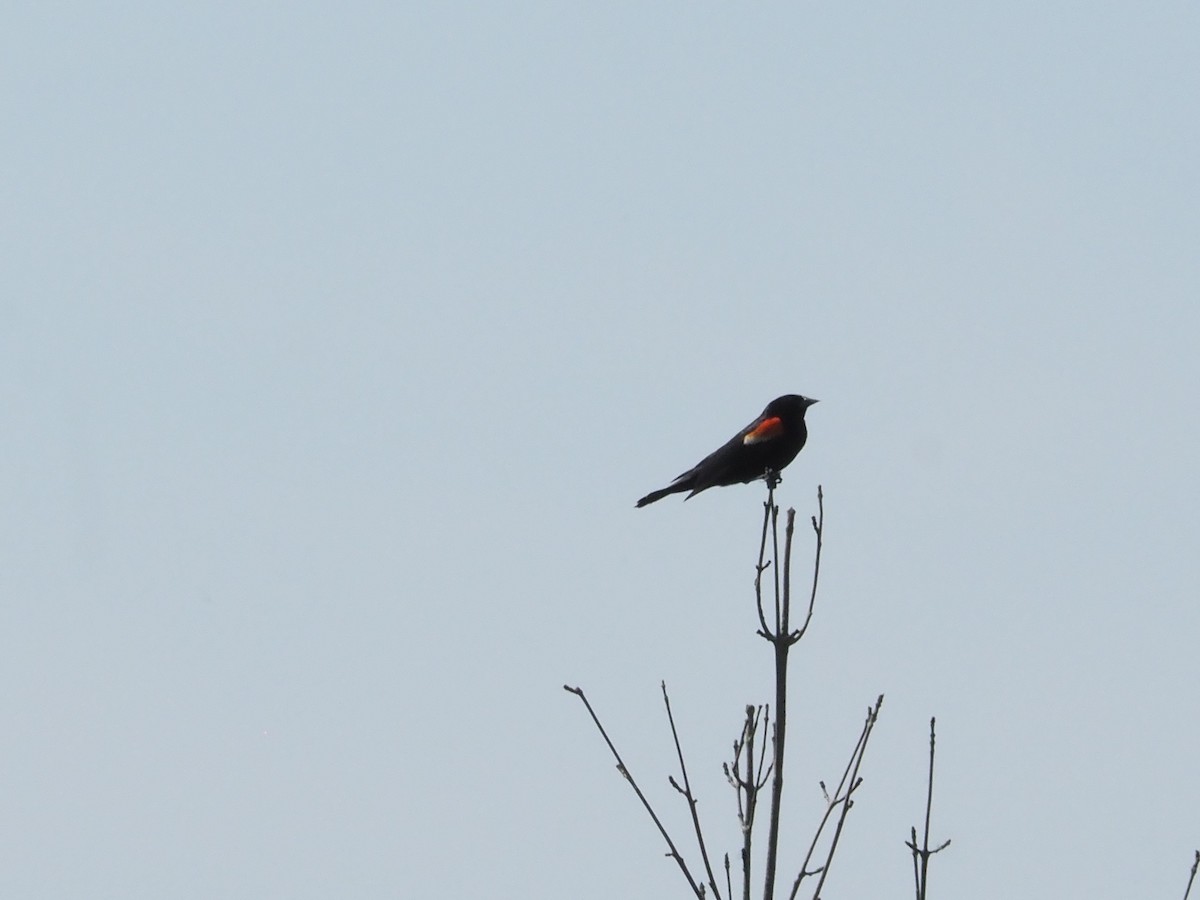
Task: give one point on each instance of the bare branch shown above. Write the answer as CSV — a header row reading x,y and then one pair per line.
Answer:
x,y
763,563
1192,877
818,524
778,735
687,793
852,781
842,798
779,612
916,857
749,773
785,622
747,782
922,853
764,772
697,889
781,641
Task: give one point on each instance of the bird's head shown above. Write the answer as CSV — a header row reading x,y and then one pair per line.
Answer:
x,y
788,405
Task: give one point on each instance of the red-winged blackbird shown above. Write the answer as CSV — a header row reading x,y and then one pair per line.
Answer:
x,y
769,442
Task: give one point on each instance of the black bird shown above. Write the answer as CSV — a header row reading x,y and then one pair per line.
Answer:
x,y
769,442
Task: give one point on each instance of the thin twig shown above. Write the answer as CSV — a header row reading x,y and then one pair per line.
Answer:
x,y
1192,877
849,783
831,803
687,794
779,611
746,788
697,889
818,524
789,531
916,858
762,566
748,783
922,853
751,789
852,781
928,809
764,772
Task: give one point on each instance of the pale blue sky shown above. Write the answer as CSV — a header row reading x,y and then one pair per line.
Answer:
x,y
338,343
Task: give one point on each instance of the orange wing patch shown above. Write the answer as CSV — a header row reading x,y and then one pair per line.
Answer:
x,y
767,429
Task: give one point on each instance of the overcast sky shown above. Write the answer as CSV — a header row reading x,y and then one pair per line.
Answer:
x,y
337,342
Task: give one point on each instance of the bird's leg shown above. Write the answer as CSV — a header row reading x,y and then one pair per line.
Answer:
x,y
772,478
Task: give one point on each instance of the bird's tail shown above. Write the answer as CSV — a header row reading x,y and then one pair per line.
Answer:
x,y
673,488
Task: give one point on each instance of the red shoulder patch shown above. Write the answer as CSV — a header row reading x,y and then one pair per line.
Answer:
x,y
764,431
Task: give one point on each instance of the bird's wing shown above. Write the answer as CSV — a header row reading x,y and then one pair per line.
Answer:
x,y
763,430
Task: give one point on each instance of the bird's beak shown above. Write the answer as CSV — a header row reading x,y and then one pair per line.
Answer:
x,y
810,402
